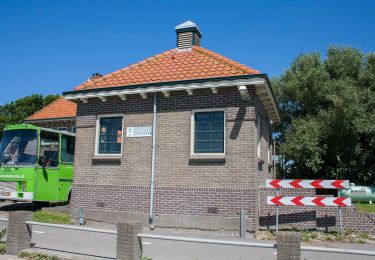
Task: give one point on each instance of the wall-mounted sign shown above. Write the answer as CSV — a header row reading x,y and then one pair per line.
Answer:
x,y
141,131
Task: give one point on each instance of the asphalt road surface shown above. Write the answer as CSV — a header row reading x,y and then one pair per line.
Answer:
x,y
103,246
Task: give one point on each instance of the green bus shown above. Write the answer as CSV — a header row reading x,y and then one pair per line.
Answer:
x,y
36,164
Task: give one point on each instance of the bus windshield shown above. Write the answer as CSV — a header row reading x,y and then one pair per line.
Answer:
x,y
19,147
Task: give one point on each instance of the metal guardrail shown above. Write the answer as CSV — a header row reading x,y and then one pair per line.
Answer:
x,y
96,230
337,250
255,244
209,241
4,219
202,240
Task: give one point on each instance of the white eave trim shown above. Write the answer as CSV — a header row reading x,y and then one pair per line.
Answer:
x,y
189,88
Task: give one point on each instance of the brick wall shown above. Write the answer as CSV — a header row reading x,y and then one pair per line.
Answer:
x,y
183,185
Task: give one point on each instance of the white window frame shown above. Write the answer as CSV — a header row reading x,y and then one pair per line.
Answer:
x,y
192,136
98,134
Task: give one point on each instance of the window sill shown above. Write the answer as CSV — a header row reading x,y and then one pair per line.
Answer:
x,y
106,160
206,158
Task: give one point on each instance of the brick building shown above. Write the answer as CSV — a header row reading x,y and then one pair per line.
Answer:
x,y
59,115
207,158
212,137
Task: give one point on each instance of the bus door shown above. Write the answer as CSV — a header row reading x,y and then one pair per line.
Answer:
x,y
47,178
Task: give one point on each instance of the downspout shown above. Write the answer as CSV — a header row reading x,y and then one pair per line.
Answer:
x,y
153,161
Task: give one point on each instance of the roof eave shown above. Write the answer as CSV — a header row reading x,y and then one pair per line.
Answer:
x,y
187,85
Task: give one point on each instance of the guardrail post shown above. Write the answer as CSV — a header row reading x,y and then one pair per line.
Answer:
x,y
129,246
18,232
288,246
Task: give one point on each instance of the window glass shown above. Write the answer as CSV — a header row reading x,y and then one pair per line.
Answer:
x,y
62,129
209,132
67,148
110,135
19,147
49,149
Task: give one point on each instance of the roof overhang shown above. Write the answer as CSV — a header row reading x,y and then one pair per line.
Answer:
x,y
259,81
47,120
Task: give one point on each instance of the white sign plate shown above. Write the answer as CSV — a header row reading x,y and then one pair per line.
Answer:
x,y
141,131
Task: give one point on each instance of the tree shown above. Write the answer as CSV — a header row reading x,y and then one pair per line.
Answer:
x,y
17,111
327,109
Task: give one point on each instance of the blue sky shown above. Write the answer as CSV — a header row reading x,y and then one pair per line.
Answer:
x,y
52,46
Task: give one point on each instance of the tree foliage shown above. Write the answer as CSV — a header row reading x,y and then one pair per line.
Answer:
x,y
17,111
328,115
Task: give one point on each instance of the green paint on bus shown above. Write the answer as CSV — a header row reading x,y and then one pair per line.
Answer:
x,y
36,164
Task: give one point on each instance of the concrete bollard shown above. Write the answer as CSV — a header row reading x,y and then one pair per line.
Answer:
x,y
18,233
129,246
288,246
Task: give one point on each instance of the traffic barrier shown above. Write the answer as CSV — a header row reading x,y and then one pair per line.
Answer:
x,y
308,201
307,184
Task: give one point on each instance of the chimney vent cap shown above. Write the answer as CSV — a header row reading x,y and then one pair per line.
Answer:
x,y
187,26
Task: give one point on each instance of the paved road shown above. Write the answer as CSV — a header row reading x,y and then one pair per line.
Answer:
x,y
104,246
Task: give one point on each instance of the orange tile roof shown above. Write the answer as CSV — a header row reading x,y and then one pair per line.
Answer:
x,y
172,65
60,108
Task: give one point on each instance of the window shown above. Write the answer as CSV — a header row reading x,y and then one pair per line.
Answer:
x,y
64,129
259,131
109,135
74,129
67,148
20,147
49,149
209,132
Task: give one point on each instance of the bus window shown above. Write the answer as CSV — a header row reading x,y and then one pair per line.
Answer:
x,y
67,148
49,149
19,147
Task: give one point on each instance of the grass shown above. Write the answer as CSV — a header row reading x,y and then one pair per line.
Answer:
x,y
3,232
350,235
37,256
365,207
52,217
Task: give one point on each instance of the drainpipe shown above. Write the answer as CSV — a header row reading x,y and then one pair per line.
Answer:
x,y
153,161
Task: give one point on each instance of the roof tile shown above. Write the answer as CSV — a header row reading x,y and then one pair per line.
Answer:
x,y
60,108
172,65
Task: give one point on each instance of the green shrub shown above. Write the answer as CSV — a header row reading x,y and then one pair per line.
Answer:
x,y
37,256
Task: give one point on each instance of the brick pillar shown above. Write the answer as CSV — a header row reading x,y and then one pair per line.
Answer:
x,y
288,246
18,233
129,246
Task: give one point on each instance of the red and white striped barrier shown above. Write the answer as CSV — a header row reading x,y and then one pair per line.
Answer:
x,y
307,184
308,201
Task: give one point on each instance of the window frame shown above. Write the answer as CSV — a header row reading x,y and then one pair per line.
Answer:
x,y
58,146
192,132
98,134
61,148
